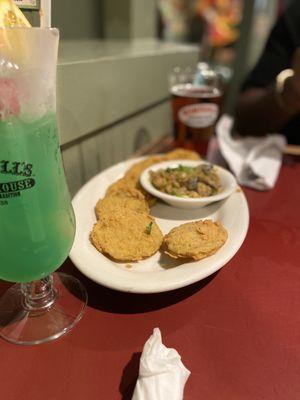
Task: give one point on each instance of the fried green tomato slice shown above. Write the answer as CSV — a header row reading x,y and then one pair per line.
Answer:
x,y
121,185
134,172
130,200
182,154
195,240
127,235
130,186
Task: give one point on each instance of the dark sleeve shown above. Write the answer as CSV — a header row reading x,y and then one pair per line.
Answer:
x,y
280,46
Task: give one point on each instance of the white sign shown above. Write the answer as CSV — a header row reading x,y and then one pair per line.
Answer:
x,y
200,115
29,4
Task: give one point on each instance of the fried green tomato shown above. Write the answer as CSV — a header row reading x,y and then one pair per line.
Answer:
x,y
182,154
126,200
195,240
127,235
134,172
121,185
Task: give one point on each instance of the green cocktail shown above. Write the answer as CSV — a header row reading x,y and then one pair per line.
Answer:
x,y
36,218
37,223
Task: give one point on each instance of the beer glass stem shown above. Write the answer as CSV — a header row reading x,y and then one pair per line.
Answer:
x,y
39,295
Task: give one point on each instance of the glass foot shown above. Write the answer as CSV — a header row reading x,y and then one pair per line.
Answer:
x,y
22,324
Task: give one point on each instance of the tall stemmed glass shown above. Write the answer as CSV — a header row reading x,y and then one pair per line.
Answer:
x,y
37,223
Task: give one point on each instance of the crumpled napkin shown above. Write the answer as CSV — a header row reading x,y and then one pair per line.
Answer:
x,y
162,375
255,161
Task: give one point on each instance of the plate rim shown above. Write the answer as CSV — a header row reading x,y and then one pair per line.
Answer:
x,y
166,286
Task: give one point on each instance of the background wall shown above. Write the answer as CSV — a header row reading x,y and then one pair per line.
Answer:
x,y
113,96
79,19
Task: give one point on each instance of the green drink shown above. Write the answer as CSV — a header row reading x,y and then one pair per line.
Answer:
x,y
36,218
37,223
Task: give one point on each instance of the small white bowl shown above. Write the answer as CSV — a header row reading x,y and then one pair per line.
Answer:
x,y
228,184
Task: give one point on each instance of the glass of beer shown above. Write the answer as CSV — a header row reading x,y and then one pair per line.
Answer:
x,y
37,223
196,102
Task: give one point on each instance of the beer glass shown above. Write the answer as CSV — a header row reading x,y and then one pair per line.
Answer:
x,y
196,100
37,223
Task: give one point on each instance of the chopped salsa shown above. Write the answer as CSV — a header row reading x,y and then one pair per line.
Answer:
x,y
185,181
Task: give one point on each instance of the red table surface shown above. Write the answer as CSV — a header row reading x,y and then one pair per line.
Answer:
x,y
237,331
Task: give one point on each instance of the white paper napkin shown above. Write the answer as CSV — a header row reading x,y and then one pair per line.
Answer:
x,y
162,375
255,161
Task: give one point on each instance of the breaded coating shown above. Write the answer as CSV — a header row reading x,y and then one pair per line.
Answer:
x,y
151,200
133,200
127,235
195,240
128,185
124,185
135,171
181,154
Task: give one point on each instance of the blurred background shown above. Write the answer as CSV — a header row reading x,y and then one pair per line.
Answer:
x,y
115,59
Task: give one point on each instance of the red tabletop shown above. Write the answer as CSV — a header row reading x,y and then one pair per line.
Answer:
x,y
237,331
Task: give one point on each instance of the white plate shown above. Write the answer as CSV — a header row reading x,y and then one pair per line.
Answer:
x,y
228,184
158,273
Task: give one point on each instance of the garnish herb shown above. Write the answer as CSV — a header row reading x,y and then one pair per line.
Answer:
x,y
184,168
149,228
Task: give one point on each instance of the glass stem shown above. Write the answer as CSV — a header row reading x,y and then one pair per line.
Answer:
x,y
39,295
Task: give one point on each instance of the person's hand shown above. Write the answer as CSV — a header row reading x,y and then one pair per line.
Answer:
x,y
291,91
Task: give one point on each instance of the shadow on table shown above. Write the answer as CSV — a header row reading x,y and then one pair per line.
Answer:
x,y
129,377
112,301
4,286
